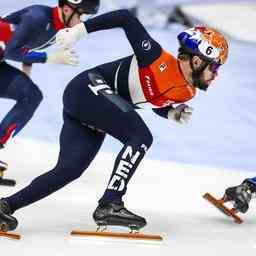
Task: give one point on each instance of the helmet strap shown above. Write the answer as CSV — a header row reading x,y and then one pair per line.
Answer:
x,y
63,17
65,20
196,73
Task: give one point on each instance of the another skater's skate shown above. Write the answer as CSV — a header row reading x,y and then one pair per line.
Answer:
x,y
5,182
240,196
115,214
219,203
7,221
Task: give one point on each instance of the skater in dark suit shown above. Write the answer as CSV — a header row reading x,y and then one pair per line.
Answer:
x,y
102,101
22,34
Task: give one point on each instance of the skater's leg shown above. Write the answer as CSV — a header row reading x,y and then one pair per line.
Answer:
x,y
98,106
78,147
19,87
111,211
136,143
101,108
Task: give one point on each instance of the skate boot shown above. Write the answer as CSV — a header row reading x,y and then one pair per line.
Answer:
x,y
7,221
115,214
241,195
5,182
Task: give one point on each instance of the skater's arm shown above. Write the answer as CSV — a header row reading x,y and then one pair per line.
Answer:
x,y
180,114
145,48
28,28
26,32
163,112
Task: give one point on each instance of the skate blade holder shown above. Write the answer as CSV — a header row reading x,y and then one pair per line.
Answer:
x,y
219,204
10,235
109,234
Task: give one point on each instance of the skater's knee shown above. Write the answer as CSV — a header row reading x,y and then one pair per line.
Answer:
x,y
24,90
35,96
137,132
148,139
38,95
142,137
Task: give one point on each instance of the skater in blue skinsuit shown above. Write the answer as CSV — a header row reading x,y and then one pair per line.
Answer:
x,y
22,34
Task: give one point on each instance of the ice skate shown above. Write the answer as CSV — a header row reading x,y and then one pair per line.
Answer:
x,y
5,182
115,214
219,204
239,196
7,221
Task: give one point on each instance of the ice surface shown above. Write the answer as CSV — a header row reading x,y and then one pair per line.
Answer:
x,y
168,194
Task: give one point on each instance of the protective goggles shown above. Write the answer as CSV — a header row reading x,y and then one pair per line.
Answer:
x,y
214,67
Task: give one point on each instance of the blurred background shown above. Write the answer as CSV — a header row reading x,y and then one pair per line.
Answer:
x,y
216,150
222,130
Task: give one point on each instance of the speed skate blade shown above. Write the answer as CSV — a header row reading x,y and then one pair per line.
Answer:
x,y
219,204
10,235
136,236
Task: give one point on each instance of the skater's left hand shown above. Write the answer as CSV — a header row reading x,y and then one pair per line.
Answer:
x,y
63,56
180,114
67,37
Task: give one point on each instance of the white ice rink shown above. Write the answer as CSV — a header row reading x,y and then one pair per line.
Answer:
x,y
168,194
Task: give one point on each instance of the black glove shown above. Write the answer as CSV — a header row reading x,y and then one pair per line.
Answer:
x,y
241,195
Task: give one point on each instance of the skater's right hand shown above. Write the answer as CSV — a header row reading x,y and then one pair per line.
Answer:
x,y
180,114
63,56
67,37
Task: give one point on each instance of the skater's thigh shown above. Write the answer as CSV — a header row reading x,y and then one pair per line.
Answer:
x,y
14,83
78,143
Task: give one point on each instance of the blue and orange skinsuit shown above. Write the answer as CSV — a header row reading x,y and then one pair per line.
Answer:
x,y
21,34
149,78
103,100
